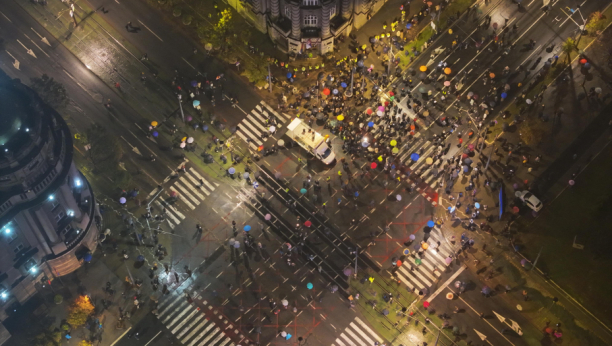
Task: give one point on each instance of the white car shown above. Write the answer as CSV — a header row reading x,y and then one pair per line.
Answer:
x,y
530,199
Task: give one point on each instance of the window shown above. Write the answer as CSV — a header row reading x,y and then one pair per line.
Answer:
x,y
18,248
60,215
310,20
332,12
65,230
310,3
288,12
12,235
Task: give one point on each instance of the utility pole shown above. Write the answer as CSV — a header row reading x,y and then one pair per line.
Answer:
x,y
537,258
390,55
489,159
181,107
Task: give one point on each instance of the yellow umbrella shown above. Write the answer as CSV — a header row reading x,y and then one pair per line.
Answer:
x,y
450,31
154,123
393,142
423,68
447,70
429,160
340,117
380,158
424,246
364,47
184,139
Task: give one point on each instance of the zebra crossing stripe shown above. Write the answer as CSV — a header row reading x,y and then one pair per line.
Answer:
x,y
203,333
173,209
346,338
260,118
178,317
193,323
368,329
197,175
196,184
252,119
172,301
180,307
363,335
219,337
349,332
191,188
184,200
281,118
253,138
246,140
417,273
410,276
171,216
425,262
406,282
197,329
187,193
185,320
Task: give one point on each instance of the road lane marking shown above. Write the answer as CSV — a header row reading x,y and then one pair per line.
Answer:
x,y
143,24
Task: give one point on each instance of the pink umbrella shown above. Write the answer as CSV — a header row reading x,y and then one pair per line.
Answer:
x,y
572,182
425,304
515,209
173,194
381,108
448,260
268,217
447,83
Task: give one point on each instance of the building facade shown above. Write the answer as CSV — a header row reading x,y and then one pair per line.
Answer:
x,y
302,26
48,215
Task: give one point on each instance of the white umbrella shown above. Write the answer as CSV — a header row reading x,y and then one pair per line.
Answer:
x,y
272,128
190,140
528,101
399,197
182,145
284,302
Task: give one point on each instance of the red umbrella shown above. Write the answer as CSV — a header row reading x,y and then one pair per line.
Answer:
x,y
391,93
326,91
548,330
583,61
369,111
308,223
386,103
373,165
425,304
464,156
173,194
515,209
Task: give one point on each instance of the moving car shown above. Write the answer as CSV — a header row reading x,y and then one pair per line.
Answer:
x,y
530,199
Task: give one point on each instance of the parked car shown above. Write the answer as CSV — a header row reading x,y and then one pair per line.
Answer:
x,y
530,199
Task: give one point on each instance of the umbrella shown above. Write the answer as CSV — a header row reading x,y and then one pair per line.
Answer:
x,y
423,68
492,75
365,144
450,296
504,95
371,124
194,83
523,262
429,160
430,223
196,103
398,197
356,194
486,290
278,175
381,108
447,83
308,223
598,90
457,283
231,170
477,205
155,123
425,304
373,165
395,150
583,61
393,142
447,70
283,334
284,302
309,285
422,90
272,128
343,85
303,191
189,118
348,271
247,228
369,112
204,127
392,98
140,258
528,101
335,91
468,161
548,330
268,217
173,193
326,91
307,94
246,175
470,94
412,237
236,245
424,246
122,200
558,334
380,113
571,182
515,209
414,157
289,75
155,133
448,260
408,25
385,312
340,117
190,140
87,257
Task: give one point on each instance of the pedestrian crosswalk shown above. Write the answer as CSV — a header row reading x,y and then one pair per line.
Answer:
x,y
429,173
255,124
192,326
358,333
432,262
192,188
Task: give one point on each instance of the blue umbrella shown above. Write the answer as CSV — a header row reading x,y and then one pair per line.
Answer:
x,y
477,205
155,133
504,95
194,83
414,157
231,170
307,94
371,124
430,224
289,75
140,258
356,194
196,103
309,285
408,25
204,127
360,63
247,228
87,257
335,91
365,144
303,191
246,175
343,85
486,290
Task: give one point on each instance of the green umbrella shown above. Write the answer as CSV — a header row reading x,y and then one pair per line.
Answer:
x,y
392,98
418,261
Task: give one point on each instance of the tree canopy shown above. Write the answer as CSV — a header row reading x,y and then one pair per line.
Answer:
x,y
79,311
49,337
51,91
106,153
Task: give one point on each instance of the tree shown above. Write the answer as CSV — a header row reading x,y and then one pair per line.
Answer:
x,y
531,131
50,91
596,23
85,343
568,47
79,311
106,153
49,337
256,71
